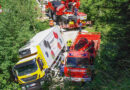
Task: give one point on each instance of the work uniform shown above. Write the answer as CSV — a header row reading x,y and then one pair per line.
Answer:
x,y
69,42
62,69
75,11
71,23
92,51
80,26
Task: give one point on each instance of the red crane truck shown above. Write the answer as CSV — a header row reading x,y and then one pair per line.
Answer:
x,y
81,56
66,13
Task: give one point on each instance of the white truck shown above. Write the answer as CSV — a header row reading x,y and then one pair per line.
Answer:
x,y
41,55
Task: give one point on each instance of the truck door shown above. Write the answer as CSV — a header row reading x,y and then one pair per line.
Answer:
x,y
40,63
41,66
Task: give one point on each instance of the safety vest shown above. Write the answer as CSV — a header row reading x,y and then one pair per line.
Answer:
x,y
69,42
51,23
71,23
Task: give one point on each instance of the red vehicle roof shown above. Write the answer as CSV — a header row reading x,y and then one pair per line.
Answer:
x,y
95,37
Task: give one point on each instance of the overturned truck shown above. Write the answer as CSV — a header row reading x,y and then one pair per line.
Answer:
x,y
38,58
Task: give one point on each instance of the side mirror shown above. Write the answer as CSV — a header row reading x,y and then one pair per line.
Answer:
x,y
14,74
13,71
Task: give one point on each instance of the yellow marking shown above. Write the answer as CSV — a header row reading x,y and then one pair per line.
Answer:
x,y
25,76
43,58
39,73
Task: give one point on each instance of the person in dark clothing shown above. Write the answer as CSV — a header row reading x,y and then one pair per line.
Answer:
x,y
69,42
75,11
62,68
80,26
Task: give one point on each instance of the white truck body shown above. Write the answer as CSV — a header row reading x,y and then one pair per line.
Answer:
x,y
51,44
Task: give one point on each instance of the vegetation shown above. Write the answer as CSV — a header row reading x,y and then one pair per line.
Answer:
x,y
110,17
17,25
112,65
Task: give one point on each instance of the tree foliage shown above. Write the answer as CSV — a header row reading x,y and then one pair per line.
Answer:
x,y
111,18
17,25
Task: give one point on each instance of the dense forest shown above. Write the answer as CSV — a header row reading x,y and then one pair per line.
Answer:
x,y
111,18
18,23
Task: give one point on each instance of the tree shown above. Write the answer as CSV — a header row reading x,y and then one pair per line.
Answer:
x,y
17,25
111,18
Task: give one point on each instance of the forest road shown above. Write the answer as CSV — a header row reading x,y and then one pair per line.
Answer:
x,y
70,34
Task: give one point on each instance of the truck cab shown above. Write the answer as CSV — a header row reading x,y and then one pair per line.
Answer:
x,y
76,66
30,70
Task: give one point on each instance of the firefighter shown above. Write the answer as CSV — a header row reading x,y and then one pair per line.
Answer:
x,y
71,23
75,11
92,51
69,42
51,23
80,26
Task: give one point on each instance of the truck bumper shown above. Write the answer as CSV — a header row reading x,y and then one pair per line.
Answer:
x,y
78,79
35,85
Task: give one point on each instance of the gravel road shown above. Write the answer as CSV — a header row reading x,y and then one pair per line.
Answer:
x,y
70,34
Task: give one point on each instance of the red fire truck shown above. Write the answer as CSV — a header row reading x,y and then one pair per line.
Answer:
x,y
81,57
66,13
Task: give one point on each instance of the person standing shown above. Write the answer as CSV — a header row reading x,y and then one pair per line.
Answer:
x,y
69,42
75,11
62,68
80,26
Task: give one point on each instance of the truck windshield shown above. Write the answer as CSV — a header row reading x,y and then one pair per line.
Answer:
x,y
77,62
26,68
